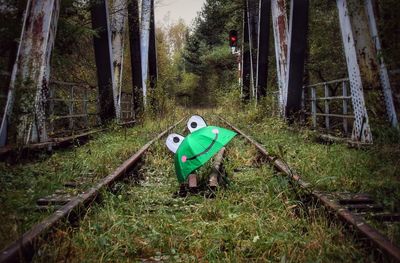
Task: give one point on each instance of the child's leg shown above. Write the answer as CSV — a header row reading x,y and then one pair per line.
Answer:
x,y
192,179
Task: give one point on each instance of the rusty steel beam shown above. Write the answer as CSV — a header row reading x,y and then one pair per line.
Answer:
x,y
361,129
280,27
246,57
24,114
296,56
153,71
144,44
103,57
136,64
23,248
263,48
118,24
383,73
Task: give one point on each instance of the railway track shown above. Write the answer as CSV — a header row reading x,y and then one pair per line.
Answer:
x,y
24,247
27,244
337,204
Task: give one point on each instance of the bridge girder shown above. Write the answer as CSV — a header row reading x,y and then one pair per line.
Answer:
x,y
25,111
103,57
118,25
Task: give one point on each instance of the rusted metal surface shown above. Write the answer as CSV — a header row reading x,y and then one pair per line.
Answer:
x,y
361,130
296,57
54,142
276,162
383,72
362,226
280,27
378,239
28,89
28,242
118,24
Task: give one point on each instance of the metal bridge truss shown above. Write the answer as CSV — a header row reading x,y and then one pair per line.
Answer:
x,y
366,68
29,88
28,93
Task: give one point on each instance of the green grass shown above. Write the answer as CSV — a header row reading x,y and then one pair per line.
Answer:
x,y
23,183
258,217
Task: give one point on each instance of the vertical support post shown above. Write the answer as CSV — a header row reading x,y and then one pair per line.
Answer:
x,y
98,110
263,47
252,16
383,73
361,130
345,106
144,44
153,72
28,88
303,105
71,108
51,107
132,108
296,56
327,101
279,22
314,106
136,64
246,57
103,57
118,23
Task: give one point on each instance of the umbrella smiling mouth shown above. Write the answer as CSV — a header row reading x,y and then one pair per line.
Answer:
x,y
208,148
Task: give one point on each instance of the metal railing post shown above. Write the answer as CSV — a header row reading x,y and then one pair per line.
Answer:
x,y
314,107
85,107
71,108
326,102
345,106
51,108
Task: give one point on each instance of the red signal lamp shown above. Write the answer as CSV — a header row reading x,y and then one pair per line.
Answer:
x,y
233,37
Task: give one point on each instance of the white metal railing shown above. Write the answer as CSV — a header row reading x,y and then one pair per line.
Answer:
x,y
322,92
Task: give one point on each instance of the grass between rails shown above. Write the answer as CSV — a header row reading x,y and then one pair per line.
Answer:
x,y
23,183
257,218
374,170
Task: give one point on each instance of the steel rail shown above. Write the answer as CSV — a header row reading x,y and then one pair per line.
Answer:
x,y
28,242
377,238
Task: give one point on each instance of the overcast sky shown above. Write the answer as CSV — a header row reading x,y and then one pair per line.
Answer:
x,y
185,9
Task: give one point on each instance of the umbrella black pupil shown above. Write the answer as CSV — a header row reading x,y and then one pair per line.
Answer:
x,y
193,125
176,139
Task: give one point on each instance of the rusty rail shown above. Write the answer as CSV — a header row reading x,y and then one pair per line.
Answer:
x,y
366,230
27,243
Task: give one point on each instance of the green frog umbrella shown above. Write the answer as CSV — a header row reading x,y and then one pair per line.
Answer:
x,y
198,147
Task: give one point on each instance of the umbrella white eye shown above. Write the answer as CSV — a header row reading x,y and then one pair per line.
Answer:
x,y
173,141
196,122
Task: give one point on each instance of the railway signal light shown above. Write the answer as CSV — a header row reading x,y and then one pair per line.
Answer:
x,y
233,38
